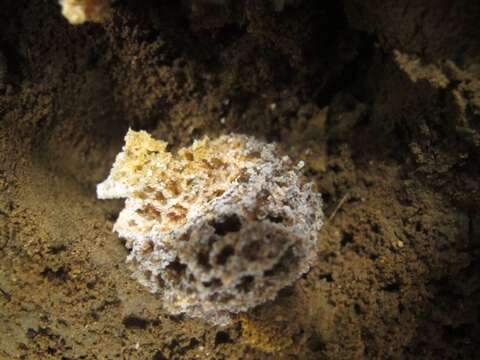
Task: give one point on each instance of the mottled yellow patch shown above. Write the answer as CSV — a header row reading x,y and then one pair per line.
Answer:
x,y
267,337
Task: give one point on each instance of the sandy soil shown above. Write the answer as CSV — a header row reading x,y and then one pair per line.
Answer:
x,y
380,98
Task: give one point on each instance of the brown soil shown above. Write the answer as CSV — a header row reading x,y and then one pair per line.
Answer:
x,y
382,100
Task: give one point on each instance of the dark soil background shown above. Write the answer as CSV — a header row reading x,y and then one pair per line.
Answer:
x,y
381,98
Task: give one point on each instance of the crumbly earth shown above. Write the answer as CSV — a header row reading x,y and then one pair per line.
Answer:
x,y
218,227
381,99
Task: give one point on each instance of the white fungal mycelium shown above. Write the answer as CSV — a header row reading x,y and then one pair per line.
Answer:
x,y
218,227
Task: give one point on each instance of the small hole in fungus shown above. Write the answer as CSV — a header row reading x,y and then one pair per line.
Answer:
x,y
160,281
283,265
275,218
269,272
228,224
185,236
174,217
193,343
147,247
254,154
140,195
246,283
215,283
226,252
176,266
243,177
225,298
149,211
203,260
173,188
160,197
188,155
222,337
219,192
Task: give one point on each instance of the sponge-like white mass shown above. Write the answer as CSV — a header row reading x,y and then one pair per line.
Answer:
x,y
218,227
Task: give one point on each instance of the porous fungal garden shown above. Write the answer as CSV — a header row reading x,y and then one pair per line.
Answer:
x,y
80,11
217,228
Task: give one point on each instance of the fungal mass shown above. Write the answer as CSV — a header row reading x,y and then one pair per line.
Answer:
x,y
216,228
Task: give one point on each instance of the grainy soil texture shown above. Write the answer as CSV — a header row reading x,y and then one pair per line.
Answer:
x,y
380,98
